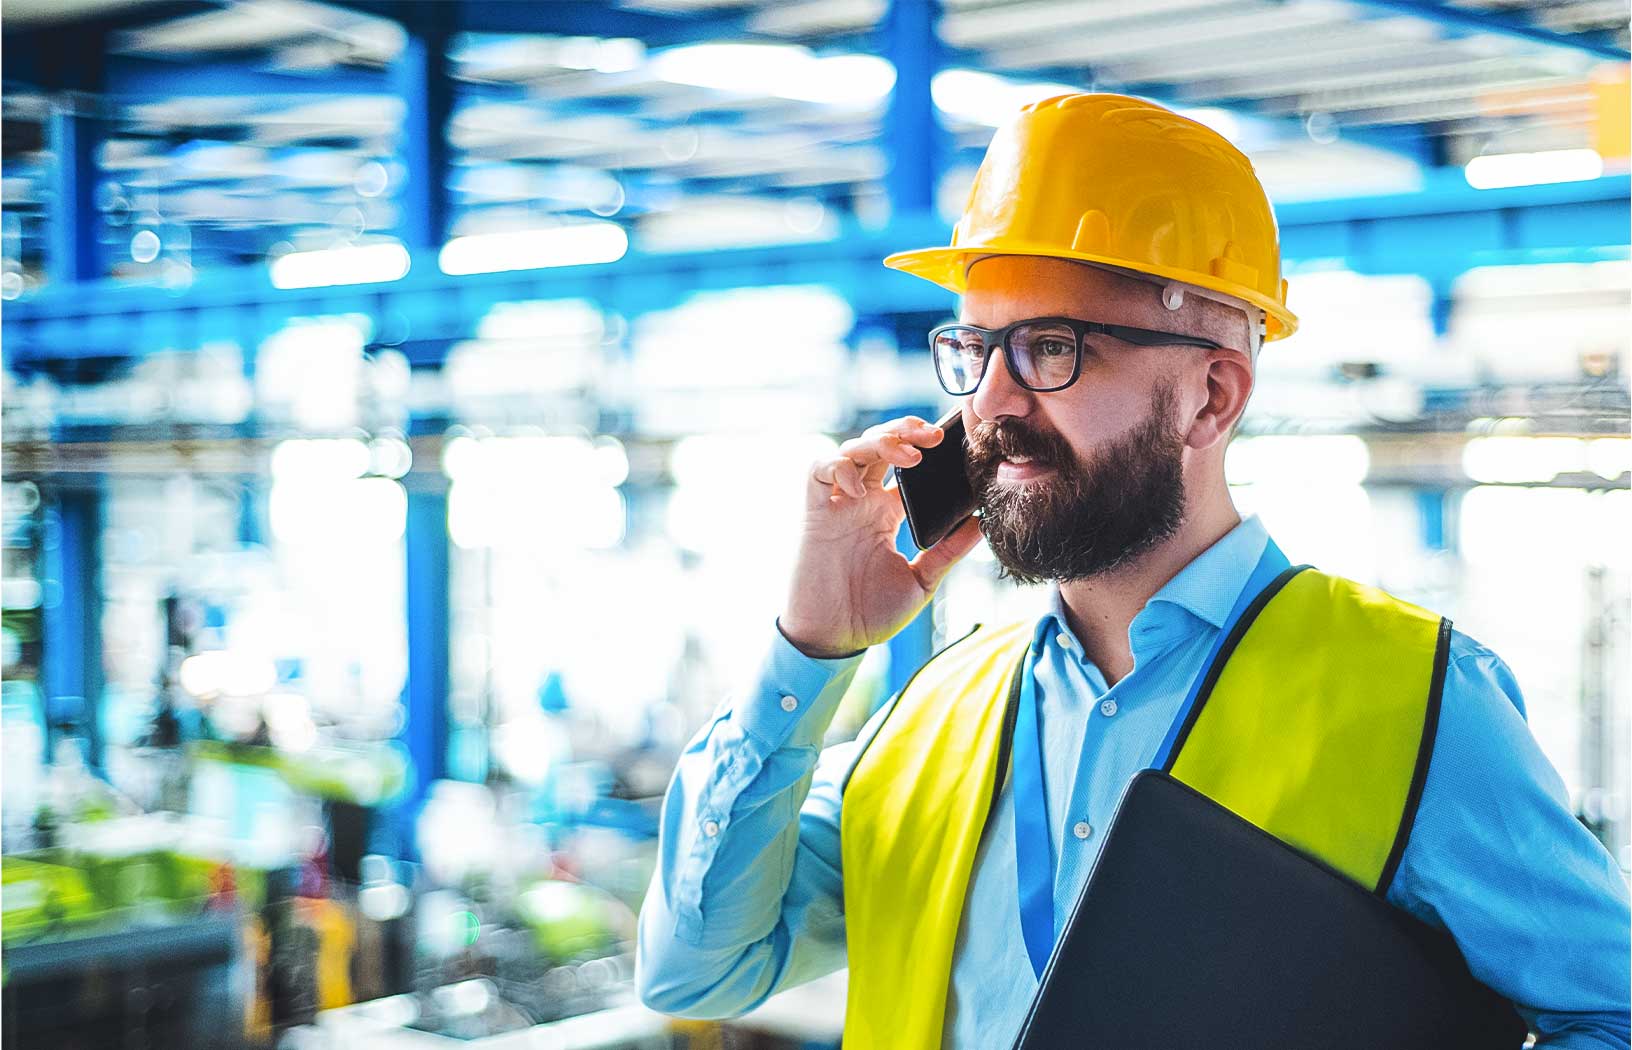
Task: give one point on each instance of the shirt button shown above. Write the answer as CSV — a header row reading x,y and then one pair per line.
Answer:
x,y
1082,829
711,828
1108,708
789,702
1065,641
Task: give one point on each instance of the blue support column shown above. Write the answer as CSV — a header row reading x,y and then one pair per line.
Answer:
x,y
250,506
1439,513
914,140
914,643
1442,305
916,145
72,251
421,77
72,615
425,730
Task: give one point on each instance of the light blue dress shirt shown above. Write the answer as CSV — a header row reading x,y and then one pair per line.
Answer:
x,y
747,898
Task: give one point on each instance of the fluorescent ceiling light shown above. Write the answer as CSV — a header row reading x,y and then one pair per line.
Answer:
x,y
356,264
1516,460
1533,169
778,70
574,245
983,98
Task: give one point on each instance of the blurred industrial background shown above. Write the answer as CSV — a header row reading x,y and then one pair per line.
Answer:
x,y
406,410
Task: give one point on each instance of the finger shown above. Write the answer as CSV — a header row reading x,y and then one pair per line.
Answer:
x,y
841,476
849,478
931,566
870,447
892,452
913,429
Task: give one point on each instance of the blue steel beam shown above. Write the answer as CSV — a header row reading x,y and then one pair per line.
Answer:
x,y
566,18
131,79
1508,22
73,252
426,725
1440,231
913,136
917,147
1409,141
422,76
72,614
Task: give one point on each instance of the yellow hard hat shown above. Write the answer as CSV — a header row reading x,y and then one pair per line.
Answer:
x,y
1122,182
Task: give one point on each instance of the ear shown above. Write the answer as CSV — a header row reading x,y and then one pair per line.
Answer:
x,y
1228,377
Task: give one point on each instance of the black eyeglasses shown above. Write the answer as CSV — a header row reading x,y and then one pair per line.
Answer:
x,y
1044,353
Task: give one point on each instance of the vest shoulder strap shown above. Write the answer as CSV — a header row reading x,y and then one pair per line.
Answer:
x,y
1333,690
951,665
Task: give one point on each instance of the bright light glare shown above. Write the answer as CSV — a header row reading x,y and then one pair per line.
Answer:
x,y
364,511
217,672
983,98
1220,120
535,517
1533,169
356,264
572,245
710,472
558,320
1609,457
1519,460
784,71
1327,459
536,491
1521,528
546,459
319,459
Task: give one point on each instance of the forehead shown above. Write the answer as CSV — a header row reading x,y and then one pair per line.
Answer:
x,y
1007,288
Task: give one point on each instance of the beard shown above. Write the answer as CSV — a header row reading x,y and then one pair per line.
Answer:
x,y
1081,519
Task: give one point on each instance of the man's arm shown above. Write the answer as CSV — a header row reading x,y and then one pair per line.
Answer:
x,y
1537,905
747,898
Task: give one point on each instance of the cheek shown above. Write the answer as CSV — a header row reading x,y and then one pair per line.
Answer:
x,y
1099,415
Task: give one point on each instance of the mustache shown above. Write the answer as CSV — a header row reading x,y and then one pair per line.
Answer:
x,y
989,443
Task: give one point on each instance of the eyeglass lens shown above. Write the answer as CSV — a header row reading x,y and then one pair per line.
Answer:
x,y
1042,355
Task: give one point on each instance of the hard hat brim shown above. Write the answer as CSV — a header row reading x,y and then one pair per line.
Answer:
x,y
948,267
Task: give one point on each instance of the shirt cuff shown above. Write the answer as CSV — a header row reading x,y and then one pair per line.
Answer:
x,y
796,695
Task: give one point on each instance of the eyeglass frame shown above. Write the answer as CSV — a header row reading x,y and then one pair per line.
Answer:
x,y
1080,328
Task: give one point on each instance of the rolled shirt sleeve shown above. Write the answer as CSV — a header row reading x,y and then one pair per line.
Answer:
x,y
747,897
1537,905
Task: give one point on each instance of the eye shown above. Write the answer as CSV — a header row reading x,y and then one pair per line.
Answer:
x,y
1052,347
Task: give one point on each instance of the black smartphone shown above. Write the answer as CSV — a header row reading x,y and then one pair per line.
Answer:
x,y
936,492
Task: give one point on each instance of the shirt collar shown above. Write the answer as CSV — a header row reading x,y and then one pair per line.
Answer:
x,y
1206,588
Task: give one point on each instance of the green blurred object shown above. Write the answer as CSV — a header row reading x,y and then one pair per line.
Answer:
x,y
367,775
569,920
41,898
57,891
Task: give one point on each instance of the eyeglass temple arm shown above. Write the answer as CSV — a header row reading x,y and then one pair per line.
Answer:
x,y
1147,337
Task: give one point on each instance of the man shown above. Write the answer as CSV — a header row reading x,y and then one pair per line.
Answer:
x,y
1119,267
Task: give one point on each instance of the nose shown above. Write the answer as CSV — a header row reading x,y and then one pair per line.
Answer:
x,y
997,394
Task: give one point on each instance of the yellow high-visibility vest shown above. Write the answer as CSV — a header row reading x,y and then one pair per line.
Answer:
x,y
1316,726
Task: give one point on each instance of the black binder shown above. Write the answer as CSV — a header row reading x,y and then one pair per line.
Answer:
x,y
1197,929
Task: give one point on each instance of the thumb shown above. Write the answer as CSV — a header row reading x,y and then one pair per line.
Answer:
x,y
932,565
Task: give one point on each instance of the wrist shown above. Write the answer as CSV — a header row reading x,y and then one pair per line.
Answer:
x,y
815,651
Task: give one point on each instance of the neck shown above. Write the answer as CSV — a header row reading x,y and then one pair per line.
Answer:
x,y
1100,608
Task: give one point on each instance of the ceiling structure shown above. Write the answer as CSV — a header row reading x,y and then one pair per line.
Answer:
x,y
239,128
